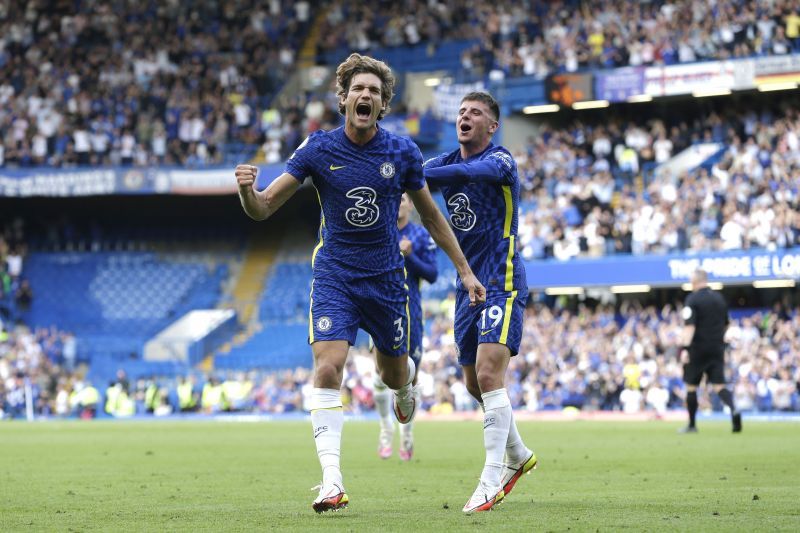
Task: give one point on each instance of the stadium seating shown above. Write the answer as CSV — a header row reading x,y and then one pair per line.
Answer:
x,y
124,297
276,346
286,298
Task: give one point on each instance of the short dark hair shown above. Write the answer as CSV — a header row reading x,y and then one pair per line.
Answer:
x,y
485,98
358,64
700,275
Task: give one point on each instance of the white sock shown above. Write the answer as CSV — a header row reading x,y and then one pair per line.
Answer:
x,y
496,421
327,418
412,372
383,402
406,429
515,448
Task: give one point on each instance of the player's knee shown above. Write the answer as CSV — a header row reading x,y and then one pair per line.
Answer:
x,y
327,376
489,380
393,378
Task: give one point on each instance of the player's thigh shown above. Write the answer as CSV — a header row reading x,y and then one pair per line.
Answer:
x,y
715,371
501,321
333,315
693,373
384,314
465,328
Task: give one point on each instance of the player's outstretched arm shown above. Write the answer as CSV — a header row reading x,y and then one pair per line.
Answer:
x,y
259,205
437,226
488,170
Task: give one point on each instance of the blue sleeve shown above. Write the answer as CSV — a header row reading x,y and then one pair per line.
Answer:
x,y
497,167
414,179
433,162
299,163
422,261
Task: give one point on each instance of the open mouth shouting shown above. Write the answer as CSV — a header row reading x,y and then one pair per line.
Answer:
x,y
363,110
464,128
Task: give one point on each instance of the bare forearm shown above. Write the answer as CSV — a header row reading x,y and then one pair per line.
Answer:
x,y
261,204
687,334
444,237
254,204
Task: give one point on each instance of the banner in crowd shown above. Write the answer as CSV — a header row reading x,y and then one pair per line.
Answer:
x,y
447,98
743,266
777,69
619,84
109,181
691,77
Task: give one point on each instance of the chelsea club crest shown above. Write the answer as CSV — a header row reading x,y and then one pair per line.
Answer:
x,y
324,324
387,170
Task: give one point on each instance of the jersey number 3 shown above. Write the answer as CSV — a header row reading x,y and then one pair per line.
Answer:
x,y
366,212
461,216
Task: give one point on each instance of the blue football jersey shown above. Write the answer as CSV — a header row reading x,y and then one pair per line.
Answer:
x,y
484,218
359,189
424,255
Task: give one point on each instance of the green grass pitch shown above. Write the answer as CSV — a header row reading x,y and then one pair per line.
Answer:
x,y
225,476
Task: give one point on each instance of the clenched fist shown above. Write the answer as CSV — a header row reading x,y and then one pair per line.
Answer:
x,y
406,247
246,176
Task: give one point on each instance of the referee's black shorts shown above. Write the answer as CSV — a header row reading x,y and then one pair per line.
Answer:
x,y
712,364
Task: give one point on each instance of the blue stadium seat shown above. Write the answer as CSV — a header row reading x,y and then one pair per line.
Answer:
x,y
125,297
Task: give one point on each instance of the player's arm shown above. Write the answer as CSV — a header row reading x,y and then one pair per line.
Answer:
x,y
422,261
497,168
259,205
437,226
687,333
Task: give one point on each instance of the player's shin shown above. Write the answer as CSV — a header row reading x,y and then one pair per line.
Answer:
x,y
327,419
727,398
515,448
405,402
383,402
691,406
496,423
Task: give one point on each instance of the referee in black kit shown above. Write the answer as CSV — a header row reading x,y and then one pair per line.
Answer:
x,y
705,317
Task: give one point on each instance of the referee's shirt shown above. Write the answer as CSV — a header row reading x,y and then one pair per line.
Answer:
x,y
708,312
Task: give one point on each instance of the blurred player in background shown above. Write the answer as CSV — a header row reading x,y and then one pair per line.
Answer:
x,y
419,251
705,318
360,172
480,185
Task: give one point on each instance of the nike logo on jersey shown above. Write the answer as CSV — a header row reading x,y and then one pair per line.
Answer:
x,y
487,331
334,167
397,347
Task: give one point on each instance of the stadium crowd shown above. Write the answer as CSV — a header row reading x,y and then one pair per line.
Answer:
x,y
628,360
138,83
584,197
97,83
185,83
539,38
589,359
